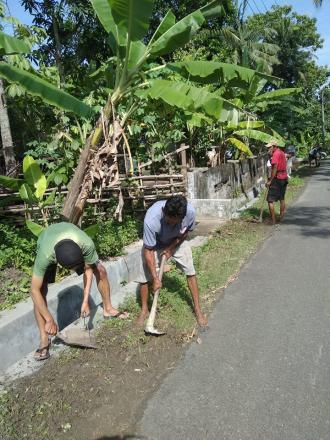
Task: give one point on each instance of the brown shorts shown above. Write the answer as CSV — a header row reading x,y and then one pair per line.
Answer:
x,y
182,257
277,190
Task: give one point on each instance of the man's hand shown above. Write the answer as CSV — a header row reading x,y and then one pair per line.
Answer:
x,y
157,284
84,309
51,327
268,183
168,252
201,319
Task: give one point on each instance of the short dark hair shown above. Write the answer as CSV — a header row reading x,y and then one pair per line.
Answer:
x,y
176,206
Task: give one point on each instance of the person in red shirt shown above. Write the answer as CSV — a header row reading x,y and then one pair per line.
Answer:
x,y
277,181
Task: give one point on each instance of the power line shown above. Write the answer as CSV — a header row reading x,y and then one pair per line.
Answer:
x,y
256,6
266,9
248,3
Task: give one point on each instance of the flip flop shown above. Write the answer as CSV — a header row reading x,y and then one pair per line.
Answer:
x,y
40,350
118,315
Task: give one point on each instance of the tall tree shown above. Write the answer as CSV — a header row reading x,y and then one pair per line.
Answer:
x,y
6,137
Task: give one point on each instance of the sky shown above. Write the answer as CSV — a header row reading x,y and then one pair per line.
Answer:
x,y
301,6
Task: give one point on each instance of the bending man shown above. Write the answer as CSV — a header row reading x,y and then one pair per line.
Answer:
x,y
67,245
166,227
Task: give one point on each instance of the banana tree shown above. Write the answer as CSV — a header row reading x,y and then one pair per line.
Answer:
x,y
126,22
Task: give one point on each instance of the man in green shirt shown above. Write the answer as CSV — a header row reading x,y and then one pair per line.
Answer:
x,y
67,245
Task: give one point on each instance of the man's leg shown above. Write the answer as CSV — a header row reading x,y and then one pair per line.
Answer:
x,y
282,209
144,293
104,289
193,287
44,337
272,212
183,257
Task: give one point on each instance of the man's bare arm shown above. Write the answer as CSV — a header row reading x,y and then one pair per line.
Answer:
x,y
149,256
88,278
39,302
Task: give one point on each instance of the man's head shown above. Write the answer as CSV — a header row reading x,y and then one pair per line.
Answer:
x,y
175,209
271,146
69,255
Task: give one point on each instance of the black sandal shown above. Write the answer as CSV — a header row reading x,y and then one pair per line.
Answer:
x,y
40,350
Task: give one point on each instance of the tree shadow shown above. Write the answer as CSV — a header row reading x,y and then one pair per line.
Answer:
x,y
309,221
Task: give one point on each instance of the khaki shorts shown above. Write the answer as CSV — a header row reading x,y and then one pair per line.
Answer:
x,y
182,257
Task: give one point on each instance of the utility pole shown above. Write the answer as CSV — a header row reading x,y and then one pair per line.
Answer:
x,y
322,117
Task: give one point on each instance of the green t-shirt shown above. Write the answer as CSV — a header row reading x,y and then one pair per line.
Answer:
x,y
55,233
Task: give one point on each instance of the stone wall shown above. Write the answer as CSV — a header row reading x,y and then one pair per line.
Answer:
x,y
218,192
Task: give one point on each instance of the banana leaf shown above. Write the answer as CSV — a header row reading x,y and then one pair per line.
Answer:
x,y
133,16
259,136
189,98
11,183
46,91
34,176
240,145
207,72
277,94
10,45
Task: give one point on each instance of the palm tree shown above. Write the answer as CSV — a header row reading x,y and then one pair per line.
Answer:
x,y
250,49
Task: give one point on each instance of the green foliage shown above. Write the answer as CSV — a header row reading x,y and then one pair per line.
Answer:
x,y
13,291
112,236
17,248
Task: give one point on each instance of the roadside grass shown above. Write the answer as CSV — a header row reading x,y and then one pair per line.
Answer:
x,y
46,407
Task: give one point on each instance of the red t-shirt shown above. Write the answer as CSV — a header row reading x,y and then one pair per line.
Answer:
x,y
279,159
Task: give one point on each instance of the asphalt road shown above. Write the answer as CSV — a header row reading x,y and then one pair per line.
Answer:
x,y
262,371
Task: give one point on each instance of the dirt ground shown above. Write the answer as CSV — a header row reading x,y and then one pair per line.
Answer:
x,y
94,394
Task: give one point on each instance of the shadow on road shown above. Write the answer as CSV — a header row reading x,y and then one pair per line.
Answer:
x,y
312,220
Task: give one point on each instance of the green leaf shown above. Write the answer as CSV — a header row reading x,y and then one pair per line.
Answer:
x,y
178,35
46,91
34,176
26,194
188,97
104,14
136,54
246,124
50,199
197,119
117,36
214,9
207,72
167,22
276,94
240,146
259,136
10,45
92,230
133,16
173,93
11,183
34,227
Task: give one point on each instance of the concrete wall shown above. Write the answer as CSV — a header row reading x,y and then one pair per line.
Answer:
x,y
218,192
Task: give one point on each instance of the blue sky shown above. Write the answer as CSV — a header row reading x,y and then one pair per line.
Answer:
x,y
301,6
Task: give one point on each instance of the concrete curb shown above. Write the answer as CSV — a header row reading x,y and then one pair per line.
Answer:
x,y
18,330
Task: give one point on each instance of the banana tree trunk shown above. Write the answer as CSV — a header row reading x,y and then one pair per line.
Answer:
x,y
7,141
82,181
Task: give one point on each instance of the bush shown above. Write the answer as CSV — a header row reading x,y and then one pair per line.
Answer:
x,y
113,236
17,247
